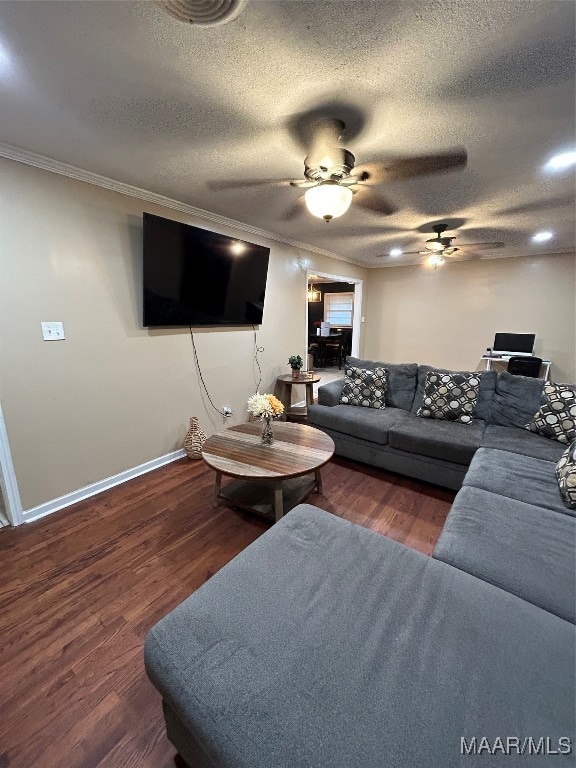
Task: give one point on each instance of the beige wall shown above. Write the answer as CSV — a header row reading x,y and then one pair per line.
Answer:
x,y
449,316
114,395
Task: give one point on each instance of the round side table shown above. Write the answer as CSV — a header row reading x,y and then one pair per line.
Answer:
x,y
285,384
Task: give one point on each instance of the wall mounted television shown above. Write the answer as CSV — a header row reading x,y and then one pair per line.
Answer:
x,y
193,277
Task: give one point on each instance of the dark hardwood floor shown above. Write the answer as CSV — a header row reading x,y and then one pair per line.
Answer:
x,y
80,589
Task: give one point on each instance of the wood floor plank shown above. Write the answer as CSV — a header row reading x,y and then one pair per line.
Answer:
x,y
80,589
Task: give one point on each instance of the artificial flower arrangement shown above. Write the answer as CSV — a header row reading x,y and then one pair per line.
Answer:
x,y
265,406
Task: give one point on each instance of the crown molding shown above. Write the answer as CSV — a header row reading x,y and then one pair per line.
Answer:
x,y
27,157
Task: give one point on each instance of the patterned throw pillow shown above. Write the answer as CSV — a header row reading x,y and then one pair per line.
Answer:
x,y
566,476
450,396
364,387
556,418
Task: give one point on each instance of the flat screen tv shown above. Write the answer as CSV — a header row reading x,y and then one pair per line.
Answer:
x,y
195,277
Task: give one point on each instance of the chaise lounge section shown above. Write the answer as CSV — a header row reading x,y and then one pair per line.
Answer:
x,y
324,644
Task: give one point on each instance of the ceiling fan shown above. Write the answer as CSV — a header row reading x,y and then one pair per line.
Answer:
x,y
332,178
436,248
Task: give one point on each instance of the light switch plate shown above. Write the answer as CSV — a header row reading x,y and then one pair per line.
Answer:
x,y
53,331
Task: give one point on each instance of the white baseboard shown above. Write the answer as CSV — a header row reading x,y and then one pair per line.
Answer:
x,y
29,515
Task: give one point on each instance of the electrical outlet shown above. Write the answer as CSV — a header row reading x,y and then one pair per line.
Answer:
x,y
227,411
52,331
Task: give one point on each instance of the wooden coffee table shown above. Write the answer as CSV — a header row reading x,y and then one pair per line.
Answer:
x,y
270,479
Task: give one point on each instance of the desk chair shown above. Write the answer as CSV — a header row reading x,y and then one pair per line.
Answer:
x,y
525,366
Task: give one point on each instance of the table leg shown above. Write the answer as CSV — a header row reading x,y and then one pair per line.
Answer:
x,y
278,501
286,396
309,393
318,477
215,499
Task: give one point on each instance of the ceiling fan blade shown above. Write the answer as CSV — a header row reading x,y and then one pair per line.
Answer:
x,y
404,253
223,185
480,246
400,168
303,184
366,198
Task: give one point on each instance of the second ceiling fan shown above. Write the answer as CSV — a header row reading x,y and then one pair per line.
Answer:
x,y
332,178
436,248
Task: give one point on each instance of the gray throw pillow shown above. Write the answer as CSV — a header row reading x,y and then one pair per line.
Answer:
x,y
556,418
485,391
566,476
401,380
450,396
364,387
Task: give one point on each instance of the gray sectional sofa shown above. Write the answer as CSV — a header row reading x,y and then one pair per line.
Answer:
x,y
326,645
428,449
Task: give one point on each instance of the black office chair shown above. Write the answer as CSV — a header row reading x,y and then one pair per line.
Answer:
x,y
525,366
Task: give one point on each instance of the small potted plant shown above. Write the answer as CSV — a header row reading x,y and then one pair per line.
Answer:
x,y
295,362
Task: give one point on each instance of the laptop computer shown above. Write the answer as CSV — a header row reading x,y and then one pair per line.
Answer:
x,y
513,344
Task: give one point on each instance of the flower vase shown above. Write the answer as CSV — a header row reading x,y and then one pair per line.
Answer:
x,y
295,373
194,439
267,433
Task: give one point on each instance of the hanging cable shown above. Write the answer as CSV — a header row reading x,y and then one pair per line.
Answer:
x,y
257,350
201,377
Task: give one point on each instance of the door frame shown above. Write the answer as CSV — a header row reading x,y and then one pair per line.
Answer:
x,y
357,316
8,481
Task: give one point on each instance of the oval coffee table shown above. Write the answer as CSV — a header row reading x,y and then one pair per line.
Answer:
x,y
270,479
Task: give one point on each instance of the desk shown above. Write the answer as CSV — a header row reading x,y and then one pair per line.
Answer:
x,y
286,383
334,338
502,361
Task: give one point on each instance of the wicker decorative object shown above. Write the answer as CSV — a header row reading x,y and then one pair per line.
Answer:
x,y
194,440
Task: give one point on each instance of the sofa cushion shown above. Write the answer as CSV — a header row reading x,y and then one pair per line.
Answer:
x,y
485,390
521,441
516,400
367,423
565,472
450,396
401,384
364,387
294,655
556,417
446,440
523,549
519,477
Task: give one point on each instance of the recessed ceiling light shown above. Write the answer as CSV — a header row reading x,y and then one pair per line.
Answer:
x,y
396,252
562,161
5,61
237,247
542,237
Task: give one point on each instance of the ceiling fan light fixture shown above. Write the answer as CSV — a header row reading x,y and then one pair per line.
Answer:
x,y
435,260
434,245
328,200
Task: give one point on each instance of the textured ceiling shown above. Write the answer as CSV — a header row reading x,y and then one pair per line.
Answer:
x,y
124,90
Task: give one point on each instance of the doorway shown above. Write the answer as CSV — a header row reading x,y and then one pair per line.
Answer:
x,y
333,322
10,504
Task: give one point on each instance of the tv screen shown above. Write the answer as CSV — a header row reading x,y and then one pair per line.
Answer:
x,y
195,277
